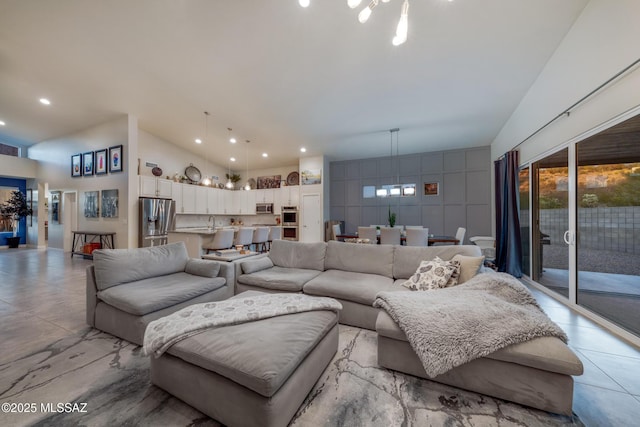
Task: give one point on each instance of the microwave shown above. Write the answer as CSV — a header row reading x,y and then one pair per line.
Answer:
x,y
264,208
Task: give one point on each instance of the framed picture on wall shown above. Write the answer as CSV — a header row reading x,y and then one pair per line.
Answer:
x,y
91,204
101,162
87,163
115,159
76,165
431,188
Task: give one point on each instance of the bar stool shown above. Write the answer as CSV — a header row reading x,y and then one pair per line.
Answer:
x,y
244,237
260,238
275,233
223,239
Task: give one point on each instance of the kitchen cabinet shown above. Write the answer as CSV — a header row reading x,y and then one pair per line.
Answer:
x,y
265,195
213,201
155,187
201,200
286,196
194,199
176,195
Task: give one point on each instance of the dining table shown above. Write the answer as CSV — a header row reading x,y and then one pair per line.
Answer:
x,y
432,239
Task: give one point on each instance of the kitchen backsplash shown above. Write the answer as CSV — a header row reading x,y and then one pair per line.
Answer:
x,y
190,221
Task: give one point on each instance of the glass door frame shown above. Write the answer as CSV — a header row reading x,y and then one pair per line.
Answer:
x,y
571,145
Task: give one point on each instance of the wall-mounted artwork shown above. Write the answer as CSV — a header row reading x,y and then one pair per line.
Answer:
x,y
431,188
76,165
115,159
311,176
269,181
91,202
101,162
87,163
109,203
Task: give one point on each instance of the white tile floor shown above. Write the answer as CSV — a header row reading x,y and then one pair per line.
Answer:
x,y
42,299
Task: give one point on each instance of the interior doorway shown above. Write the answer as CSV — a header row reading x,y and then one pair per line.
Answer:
x,y
69,217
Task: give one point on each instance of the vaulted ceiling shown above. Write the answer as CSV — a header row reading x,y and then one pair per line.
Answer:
x,y
280,75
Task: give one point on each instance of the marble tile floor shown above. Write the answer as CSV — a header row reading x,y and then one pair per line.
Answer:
x,y
49,354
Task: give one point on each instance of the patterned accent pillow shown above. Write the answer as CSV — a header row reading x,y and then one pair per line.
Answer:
x,y
455,276
431,275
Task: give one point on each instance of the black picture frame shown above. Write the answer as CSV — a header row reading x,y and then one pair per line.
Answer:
x,y
87,163
76,165
101,158
431,188
116,159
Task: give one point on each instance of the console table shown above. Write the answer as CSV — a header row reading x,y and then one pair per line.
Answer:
x,y
81,238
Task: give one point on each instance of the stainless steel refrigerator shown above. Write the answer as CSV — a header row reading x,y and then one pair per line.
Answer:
x,y
156,219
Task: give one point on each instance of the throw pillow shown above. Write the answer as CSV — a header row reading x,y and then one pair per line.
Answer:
x,y
255,265
430,275
455,276
469,266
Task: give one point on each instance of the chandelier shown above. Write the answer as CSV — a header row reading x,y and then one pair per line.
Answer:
x,y
363,16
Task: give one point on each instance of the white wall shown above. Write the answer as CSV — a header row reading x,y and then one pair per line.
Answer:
x,y
602,41
54,167
17,167
173,159
315,163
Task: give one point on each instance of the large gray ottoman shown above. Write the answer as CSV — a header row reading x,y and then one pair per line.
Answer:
x,y
252,374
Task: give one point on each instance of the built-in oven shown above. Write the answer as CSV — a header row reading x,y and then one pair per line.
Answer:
x,y
264,208
290,233
290,216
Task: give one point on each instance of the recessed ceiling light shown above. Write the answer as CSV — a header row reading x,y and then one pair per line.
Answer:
x,y
232,140
233,159
45,101
198,141
265,155
303,150
2,123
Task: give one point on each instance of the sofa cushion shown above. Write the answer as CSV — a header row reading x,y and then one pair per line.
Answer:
x,y
201,267
308,256
253,266
347,285
359,258
279,278
545,353
469,266
406,259
117,266
153,294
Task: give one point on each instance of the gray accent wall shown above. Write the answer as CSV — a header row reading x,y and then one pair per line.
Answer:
x,y
463,200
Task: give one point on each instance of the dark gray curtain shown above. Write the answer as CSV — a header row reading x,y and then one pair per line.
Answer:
x,y
508,240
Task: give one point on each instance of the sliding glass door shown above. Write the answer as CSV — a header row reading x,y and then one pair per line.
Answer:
x,y
550,252
585,223
608,217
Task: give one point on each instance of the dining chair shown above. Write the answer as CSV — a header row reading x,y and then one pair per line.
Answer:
x,y
460,235
275,233
244,237
260,238
368,233
336,231
223,239
417,237
390,236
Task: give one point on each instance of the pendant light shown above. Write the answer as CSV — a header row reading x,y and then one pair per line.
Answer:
x,y
247,186
229,183
206,181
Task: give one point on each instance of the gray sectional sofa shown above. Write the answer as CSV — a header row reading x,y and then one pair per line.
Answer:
x,y
349,272
536,373
127,289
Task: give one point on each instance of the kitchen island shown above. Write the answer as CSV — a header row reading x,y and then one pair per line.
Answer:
x,y
193,238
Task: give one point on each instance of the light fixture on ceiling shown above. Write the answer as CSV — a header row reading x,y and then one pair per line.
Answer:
x,y
303,150
403,24
45,101
198,141
229,183
2,123
207,180
247,186
265,155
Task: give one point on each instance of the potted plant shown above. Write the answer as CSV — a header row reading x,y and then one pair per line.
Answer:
x,y
392,218
15,209
234,178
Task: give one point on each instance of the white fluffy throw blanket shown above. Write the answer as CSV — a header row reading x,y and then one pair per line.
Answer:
x,y
166,331
452,326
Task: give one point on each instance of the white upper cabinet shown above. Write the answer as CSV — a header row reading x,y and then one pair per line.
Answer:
x,y
201,200
176,195
155,187
188,198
